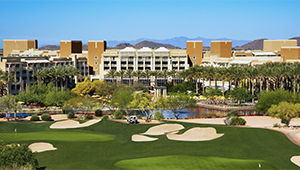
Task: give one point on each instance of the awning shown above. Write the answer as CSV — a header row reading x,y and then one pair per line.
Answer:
x,y
37,61
37,53
240,62
25,53
263,54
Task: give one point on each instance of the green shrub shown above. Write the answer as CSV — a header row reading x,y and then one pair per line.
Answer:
x,y
118,114
17,157
233,113
105,117
124,118
158,116
71,115
139,116
276,125
237,121
35,118
89,117
98,112
46,117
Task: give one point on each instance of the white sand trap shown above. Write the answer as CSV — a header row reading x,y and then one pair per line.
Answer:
x,y
162,129
73,124
13,144
141,138
296,160
41,147
196,134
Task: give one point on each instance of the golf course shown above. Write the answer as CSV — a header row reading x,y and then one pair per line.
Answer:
x,y
108,145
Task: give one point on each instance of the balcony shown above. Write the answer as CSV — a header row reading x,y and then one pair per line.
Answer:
x,y
147,59
182,65
114,65
141,65
164,59
123,65
175,65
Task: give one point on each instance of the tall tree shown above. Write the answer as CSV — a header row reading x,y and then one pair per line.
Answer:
x,y
129,73
176,102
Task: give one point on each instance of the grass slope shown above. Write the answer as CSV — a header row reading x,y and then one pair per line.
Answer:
x,y
71,136
237,143
192,162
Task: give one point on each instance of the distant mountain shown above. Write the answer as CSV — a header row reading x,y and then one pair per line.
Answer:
x,y
296,38
153,45
50,47
253,45
180,41
206,48
121,46
84,47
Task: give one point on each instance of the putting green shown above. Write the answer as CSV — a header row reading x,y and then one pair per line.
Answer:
x,y
57,136
192,162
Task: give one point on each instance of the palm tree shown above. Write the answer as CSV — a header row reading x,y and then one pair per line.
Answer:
x,y
252,74
164,73
138,74
120,74
129,73
5,78
112,74
294,73
210,71
223,75
172,73
155,74
147,73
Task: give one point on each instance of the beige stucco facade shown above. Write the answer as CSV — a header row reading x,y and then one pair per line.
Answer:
x,y
20,45
275,45
194,50
221,48
95,50
290,54
70,47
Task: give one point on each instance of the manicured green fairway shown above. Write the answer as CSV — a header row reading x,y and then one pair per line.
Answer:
x,y
89,147
192,162
56,136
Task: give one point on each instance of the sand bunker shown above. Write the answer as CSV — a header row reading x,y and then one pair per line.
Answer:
x,y
73,124
13,144
164,128
141,138
196,134
296,160
41,147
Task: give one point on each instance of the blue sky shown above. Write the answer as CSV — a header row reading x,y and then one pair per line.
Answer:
x,y
50,21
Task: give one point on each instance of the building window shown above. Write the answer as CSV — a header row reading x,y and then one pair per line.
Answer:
x,y
194,63
96,63
96,57
96,68
194,57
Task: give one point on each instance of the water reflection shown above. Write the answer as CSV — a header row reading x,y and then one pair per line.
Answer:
x,y
196,112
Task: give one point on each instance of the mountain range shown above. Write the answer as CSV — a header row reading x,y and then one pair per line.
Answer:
x,y
259,44
175,43
180,41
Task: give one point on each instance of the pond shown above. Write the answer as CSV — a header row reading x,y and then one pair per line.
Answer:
x,y
197,112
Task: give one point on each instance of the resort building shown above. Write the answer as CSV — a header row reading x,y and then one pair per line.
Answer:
x,y
22,58
21,61
221,54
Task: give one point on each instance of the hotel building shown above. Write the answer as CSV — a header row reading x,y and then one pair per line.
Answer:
x,y
22,58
